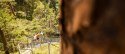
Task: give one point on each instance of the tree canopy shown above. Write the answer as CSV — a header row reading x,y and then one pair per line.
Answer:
x,y
23,18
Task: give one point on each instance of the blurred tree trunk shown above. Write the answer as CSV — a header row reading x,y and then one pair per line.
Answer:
x,y
92,26
3,39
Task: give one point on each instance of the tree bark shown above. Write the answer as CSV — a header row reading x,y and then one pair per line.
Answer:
x,y
4,42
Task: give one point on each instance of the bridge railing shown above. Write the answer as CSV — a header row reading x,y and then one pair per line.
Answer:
x,y
35,44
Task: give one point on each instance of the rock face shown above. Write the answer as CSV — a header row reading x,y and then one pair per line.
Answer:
x,y
92,26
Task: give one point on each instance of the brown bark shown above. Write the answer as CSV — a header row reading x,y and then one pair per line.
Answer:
x,y
92,26
4,42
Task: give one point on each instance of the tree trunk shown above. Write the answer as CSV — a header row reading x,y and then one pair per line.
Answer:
x,y
4,42
92,26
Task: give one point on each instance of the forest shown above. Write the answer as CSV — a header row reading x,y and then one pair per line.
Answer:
x,y
21,19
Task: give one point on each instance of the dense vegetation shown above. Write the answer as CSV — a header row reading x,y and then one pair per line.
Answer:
x,y
20,19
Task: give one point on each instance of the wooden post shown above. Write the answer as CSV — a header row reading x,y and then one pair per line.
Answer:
x,y
48,47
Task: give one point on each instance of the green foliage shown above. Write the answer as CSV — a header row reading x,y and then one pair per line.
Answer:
x,y
20,19
5,18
